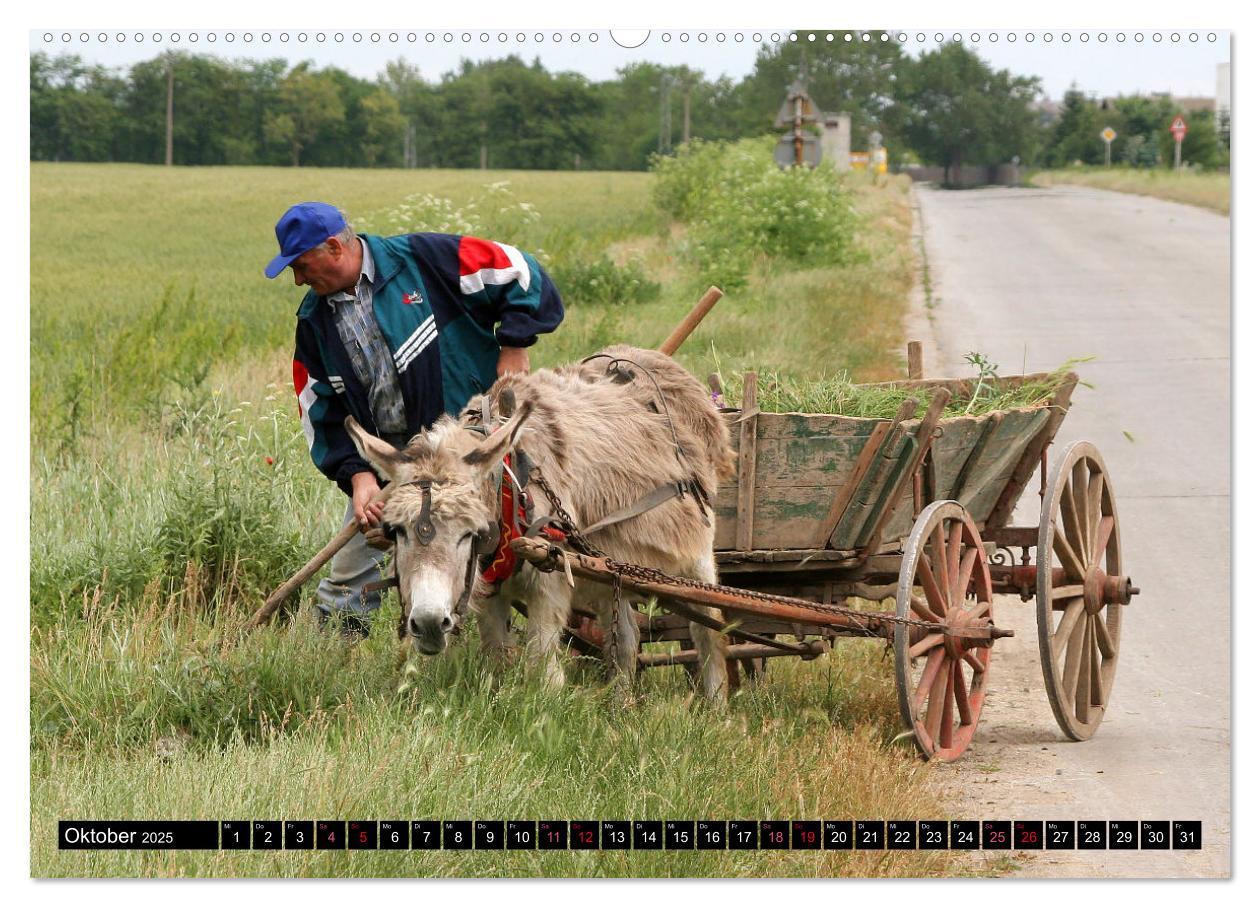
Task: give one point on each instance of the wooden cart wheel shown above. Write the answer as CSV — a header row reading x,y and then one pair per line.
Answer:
x,y
941,678
1081,590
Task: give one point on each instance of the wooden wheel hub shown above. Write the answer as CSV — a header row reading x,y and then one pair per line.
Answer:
x,y
1095,589
958,620
1102,590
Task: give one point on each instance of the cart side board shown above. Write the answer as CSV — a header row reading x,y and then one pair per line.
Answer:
x,y
820,482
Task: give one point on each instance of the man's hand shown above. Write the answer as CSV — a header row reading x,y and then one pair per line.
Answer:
x,y
513,359
377,539
366,512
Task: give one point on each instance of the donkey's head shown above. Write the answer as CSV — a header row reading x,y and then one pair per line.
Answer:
x,y
442,514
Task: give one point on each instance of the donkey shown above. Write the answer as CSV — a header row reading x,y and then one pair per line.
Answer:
x,y
604,434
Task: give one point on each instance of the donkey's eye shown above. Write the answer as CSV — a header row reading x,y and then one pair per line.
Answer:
x,y
391,531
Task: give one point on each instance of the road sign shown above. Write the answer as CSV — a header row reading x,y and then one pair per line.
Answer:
x,y
1108,136
1178,129
785,151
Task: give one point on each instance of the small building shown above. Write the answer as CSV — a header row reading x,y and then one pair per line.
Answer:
x,y
836,139
1222,93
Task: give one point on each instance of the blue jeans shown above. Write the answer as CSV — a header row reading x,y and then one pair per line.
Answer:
x,y
355,566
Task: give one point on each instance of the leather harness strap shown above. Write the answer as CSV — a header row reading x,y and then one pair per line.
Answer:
x,y
654,498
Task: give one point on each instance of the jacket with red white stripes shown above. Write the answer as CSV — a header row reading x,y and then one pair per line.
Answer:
x,y
445,305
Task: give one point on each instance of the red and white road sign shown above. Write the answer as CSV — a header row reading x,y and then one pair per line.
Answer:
x,y
1178,128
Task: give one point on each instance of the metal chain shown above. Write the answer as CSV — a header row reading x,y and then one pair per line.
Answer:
x,y
614,636
652,575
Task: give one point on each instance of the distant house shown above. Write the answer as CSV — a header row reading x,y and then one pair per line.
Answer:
x,y
1187,104
836,139
1222,93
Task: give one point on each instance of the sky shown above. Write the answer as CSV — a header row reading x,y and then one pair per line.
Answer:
x,y
1106,63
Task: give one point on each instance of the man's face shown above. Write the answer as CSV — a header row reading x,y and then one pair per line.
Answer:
x,y
323,268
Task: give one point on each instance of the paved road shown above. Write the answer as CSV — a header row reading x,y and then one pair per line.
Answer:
x,y
1032,277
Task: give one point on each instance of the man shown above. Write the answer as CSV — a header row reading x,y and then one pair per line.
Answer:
x,y
396,331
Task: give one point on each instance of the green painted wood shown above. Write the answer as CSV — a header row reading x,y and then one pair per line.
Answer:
x,y
893,527
880,482
990,474
950,452
803,459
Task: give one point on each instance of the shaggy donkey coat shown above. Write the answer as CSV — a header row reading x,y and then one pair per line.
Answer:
x,y
600,433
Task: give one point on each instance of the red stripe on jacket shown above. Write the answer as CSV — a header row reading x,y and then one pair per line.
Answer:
x,y
476,254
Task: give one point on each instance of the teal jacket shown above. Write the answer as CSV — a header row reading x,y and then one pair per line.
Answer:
x,y
445,305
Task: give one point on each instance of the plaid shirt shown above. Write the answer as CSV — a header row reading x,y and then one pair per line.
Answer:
x,y
369,353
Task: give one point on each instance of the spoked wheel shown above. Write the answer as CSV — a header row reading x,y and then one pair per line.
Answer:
x,y
942,677
1081,590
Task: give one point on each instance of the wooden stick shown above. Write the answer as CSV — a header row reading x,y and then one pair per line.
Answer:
x,y
290,586
745,499
914,360
694,317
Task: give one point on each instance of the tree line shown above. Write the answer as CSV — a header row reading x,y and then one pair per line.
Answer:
x,y
944,107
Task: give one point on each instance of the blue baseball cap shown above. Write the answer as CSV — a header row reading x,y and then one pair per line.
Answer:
x,y
301,229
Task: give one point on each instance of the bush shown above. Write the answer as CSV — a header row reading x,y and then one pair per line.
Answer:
x,y
605,282
742,207
686,181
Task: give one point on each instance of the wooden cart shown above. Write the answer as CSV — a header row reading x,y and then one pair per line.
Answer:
x,y
826,509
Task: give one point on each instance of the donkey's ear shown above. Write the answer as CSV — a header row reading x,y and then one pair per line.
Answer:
x,y
380,454
502,440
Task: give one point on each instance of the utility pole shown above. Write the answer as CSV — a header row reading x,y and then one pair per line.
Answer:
x,y
409,154
686,88
170,109
666,137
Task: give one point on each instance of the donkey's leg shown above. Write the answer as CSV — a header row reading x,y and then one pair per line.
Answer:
x,y
494,615
710,645
621,637
548,609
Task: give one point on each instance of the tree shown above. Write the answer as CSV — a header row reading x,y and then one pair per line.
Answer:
x,y
309,104
1202,144
75,110
859,78
418,103
1076,134
954,109
382,128
629,124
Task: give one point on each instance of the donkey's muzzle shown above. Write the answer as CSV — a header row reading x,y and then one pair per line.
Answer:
x,y
428,634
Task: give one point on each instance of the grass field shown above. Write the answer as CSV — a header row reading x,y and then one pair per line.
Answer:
x,y
1206,190
171,490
